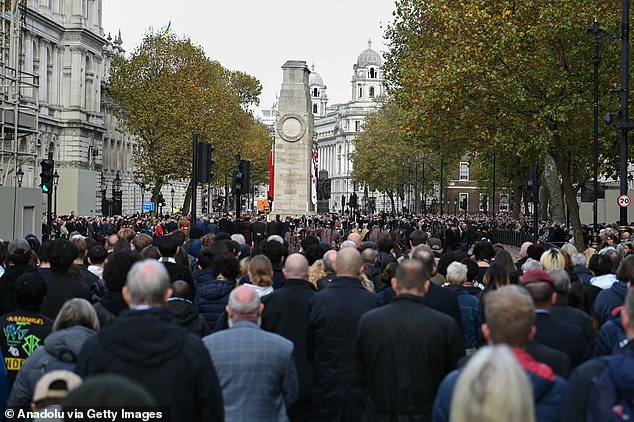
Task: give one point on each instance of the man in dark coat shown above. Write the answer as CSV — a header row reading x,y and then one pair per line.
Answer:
x,y
389,336
285,313
274,227
146,346
552,332
184,312
19,263
258,229
332,326
168,248
59,285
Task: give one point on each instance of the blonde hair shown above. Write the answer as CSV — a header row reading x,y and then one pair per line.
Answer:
x,y
316,271
260,271
553,259
493,387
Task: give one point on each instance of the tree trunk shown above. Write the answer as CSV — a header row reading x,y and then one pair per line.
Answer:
x,y
553,189
570,194
391,196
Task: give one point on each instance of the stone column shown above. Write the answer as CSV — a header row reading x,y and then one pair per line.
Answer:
x,y
293,142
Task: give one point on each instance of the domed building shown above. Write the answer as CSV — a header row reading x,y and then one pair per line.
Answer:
x,y
337,126
317,94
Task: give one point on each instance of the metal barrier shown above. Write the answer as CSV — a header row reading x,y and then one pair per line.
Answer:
x,y
516,238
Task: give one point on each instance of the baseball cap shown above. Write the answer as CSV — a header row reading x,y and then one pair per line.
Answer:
x,y
55,385
536,276
435,244
16,244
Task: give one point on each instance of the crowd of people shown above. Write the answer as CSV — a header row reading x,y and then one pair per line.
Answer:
x,y
325,318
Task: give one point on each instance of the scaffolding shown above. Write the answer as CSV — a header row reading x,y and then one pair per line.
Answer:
x,y
19,96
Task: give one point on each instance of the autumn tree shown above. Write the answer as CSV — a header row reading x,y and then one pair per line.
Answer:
x,y
168,89
509,77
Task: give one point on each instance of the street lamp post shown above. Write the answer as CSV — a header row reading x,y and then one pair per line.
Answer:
x,y
19,176
116,194
55,184
172,192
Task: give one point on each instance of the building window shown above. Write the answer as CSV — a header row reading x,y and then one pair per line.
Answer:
x,y
464,171
372,73
504,202
314,108
357,126
484,202
371,91
314,92
463,199
360,91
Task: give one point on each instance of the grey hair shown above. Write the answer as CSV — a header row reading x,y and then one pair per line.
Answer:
x,y
329,259
76,312
531,265
578,260
561,279
456,273
147,283
347,244
244,308
238,238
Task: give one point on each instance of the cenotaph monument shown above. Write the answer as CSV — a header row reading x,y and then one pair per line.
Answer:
x,y
293,142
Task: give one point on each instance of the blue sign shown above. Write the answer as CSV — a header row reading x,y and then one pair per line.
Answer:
x,y
148,206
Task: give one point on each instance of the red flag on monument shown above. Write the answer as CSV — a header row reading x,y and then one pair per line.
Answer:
x,y
271,173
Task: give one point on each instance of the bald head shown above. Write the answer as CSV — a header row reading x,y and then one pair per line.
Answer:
x,y
356,238
244,304
296,266
348,263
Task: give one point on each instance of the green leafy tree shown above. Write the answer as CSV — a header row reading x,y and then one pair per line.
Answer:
x,y
168,89
504,76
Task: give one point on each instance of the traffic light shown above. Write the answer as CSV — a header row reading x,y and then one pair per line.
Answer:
x,y
46,175
204,162
463,204
532,187
238,179
161,199
484,203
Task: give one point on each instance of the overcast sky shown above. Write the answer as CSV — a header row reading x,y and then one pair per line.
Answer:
x,y
257,36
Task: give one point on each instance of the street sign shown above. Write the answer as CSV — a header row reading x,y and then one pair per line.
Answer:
x,y
148,206
624,201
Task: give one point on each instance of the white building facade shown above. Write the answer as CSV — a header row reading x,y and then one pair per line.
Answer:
x,y
337,126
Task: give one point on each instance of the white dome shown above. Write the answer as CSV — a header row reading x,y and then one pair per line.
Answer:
x,y
314,78
369,57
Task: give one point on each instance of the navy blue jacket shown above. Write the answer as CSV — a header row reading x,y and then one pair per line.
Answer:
x,y
548,393
211,295
332,328
609,299
611,337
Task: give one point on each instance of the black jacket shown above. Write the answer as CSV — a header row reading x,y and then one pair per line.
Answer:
x,y
285,313
332,327
558,361
59,288
562,336
563,312
172,364
7,286
439,298
185,314
178,272
109,307
389,338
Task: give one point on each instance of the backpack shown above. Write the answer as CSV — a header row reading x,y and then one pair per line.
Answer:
x,y
608,403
